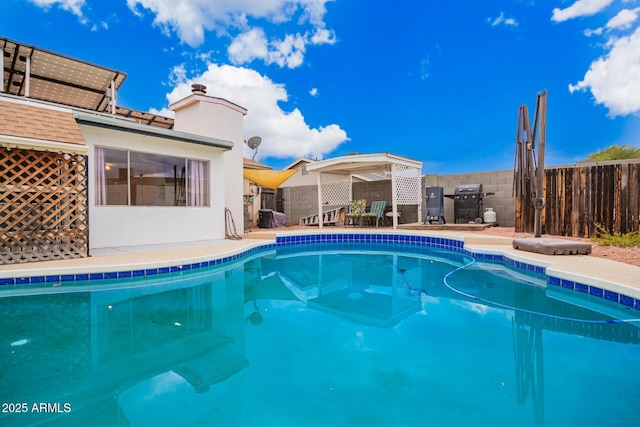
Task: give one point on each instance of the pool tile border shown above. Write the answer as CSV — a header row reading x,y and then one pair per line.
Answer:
x,y
126,274
296,239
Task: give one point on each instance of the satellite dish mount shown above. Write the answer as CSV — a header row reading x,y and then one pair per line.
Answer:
x,y
253,143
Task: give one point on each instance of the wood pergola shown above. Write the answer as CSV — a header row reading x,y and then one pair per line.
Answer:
x,y
335,179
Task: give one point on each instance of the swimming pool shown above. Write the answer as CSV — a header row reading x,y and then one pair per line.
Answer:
x,y
331,333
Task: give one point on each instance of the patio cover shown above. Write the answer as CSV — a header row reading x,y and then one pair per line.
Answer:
x,y
37,73
268,178
335,179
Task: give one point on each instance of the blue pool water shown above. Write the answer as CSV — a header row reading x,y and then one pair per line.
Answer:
x,y
347,334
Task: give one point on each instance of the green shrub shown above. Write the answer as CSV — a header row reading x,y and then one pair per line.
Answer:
x,y
623,240
615,152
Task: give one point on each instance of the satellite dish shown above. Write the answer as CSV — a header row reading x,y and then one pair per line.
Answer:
x,y
253,143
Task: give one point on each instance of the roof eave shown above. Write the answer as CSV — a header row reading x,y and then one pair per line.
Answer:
x,y
361,163
133,127
10,142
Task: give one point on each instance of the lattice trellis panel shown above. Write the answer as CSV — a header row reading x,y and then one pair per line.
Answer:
x,y
408,185
336,189
43,206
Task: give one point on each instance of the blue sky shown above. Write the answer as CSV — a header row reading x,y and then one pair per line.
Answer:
x,y
439,82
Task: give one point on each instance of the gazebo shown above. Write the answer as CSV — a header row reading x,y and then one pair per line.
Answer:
x,y
335,179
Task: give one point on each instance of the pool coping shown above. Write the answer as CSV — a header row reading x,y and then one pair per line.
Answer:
x,y
607,279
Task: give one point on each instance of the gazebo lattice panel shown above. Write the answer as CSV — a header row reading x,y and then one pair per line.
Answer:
x,y
43,206
408,185
336,189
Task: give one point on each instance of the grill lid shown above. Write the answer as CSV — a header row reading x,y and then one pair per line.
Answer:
x,y
468,189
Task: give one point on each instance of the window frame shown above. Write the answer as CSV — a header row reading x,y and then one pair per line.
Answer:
x,y
204,200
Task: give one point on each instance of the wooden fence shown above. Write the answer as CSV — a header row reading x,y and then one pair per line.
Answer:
x,y
578,198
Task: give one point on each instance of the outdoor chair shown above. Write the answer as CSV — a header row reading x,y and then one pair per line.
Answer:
x,y
376,212
358,207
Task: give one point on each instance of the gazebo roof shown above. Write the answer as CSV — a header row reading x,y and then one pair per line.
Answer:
x,y
362,163
335,179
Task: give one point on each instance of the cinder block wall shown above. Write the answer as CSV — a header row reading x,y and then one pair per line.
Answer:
x,y
302,201
498,182
381,190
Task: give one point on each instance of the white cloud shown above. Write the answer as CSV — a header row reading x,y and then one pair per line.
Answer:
x,y
614,79
102,25
289,52
190,19
597,32
580,8
624,19
313,91
253,44
323,36
482,309
73,6
178,75
502,20
248,46
284,134
425,68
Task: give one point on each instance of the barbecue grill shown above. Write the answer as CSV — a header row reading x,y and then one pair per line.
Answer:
x,y
467,203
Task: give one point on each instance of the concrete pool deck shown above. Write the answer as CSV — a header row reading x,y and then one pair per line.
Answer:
x,y
606,274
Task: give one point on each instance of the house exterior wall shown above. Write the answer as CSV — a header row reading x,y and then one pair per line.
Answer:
x,y
217,118
111,226
302,177
252,203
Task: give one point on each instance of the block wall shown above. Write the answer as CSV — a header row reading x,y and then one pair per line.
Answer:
x,y
498,182
302,201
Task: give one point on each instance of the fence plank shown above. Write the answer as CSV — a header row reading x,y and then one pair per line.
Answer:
x,y
568,202
634,191
622,211
609,194
574,227
577,198
583,228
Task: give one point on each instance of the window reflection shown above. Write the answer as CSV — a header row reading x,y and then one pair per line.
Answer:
x,y
144,179
157,180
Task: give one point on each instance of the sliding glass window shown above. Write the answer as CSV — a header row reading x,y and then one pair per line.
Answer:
x,y
112,184
157,180
145,179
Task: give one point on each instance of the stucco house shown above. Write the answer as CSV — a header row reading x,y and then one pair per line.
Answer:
x,y
78,172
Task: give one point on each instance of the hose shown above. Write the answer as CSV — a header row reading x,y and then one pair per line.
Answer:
x,y
230,226
509,307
